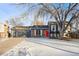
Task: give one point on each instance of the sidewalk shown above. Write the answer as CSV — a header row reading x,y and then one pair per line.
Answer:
x,y
8,44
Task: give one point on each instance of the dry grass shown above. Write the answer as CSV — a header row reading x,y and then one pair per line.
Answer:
x,y
8,44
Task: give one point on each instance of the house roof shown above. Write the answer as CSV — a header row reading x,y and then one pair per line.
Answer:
x,y
40,27
21,27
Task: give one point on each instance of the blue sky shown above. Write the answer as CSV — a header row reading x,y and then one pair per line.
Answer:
x,y
8,10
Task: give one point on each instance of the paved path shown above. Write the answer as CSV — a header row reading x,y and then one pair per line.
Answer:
x,y
8,44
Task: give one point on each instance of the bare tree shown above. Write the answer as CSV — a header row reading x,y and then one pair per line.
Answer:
x,y
15,22
60,12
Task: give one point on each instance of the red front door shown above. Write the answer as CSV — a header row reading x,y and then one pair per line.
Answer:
x,y
46,33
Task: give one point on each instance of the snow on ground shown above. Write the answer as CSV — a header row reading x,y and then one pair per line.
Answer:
x,y
68,46
44,47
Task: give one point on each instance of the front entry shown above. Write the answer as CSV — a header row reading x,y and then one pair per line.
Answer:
x,y
46,34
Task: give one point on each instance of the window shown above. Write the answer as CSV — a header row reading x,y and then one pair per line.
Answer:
x,y
53,28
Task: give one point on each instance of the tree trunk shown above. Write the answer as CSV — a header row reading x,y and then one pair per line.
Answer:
x,y
61,35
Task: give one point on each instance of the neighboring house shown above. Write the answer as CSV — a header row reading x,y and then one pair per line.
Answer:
x,y
20,31
75,29
2,34
4,30
39,31
54,30
68,30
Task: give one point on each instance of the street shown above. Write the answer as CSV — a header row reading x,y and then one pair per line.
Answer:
x,y
7,43
44,47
